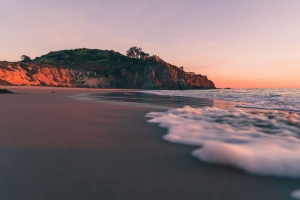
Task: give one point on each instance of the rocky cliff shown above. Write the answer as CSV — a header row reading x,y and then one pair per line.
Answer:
x,y
102,69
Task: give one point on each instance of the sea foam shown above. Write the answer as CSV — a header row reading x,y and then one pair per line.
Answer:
x,y
265,143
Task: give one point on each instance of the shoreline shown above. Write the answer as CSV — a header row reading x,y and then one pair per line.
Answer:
x,y
56,147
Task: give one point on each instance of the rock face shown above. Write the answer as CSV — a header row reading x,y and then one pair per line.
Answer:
x,y
126,73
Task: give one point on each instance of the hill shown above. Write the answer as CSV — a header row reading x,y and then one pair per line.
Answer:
x,y
99,68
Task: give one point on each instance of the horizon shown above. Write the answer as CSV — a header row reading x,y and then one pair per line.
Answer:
x,y
236,44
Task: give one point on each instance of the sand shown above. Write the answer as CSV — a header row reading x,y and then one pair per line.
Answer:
x,y
53,146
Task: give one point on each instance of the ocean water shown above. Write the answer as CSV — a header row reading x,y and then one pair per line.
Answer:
x,y
263,140
274,99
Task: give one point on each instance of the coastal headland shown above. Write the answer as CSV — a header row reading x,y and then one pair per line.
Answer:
x,y
100,69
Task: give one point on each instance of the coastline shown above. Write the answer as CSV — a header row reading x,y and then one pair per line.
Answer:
x,y
56,147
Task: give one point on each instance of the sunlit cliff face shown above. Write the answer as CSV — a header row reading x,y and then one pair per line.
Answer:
x,y
16,75
157,75
50,76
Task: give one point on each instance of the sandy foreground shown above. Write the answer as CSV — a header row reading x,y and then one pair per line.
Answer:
x,y
53,146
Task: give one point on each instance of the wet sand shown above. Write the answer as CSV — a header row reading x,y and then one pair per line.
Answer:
x,y
53,146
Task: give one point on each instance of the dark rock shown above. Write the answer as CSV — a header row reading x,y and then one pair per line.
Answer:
x,y
4,91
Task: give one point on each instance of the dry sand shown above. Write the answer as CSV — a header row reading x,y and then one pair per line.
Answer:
x,y
53,147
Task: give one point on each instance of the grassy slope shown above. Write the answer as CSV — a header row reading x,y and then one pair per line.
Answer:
x,y
76,56
103,61
84,56
92,59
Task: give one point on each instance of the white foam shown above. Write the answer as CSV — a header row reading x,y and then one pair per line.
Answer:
x,y
261,143
295,194
279,99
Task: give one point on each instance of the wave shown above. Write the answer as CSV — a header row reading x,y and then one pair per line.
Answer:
x,y
264,143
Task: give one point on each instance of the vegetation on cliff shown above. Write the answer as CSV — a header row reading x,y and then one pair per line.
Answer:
x,y
80,56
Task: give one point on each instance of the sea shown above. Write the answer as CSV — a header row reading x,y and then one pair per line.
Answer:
x,y
258,132
260,135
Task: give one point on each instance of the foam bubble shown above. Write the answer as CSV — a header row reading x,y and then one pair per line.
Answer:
x,y
295,194
265,143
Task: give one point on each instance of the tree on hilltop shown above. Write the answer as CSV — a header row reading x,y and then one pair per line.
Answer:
x,y
137,52
25,58
134,52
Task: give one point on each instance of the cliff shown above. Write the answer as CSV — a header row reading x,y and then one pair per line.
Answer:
x,y
97,68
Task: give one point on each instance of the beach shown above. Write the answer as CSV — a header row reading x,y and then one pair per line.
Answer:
x,y
55,146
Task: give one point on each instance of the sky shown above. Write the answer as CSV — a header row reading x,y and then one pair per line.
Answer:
x,y
236,43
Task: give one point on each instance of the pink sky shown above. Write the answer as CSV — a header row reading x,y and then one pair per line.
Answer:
x,y
235,43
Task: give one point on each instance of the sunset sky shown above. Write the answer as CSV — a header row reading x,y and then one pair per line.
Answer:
x,y
254,43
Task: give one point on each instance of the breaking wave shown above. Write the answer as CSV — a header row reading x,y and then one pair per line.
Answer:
x,y
265,143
